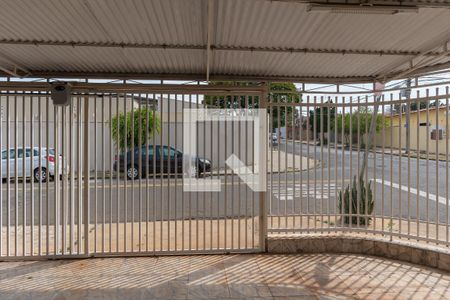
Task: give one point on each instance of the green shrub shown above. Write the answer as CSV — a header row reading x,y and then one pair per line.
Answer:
x,y
365,205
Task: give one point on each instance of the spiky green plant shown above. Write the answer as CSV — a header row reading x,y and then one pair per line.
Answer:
x,y
365,202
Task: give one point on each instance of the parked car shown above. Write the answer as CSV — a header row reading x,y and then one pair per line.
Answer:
x,y
169,163
45,158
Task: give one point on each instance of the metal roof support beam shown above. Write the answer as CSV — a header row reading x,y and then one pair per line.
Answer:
x,y
14,72
425,60
192,77
209,33
417,3
217,48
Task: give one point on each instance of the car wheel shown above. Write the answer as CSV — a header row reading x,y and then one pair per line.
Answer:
x,y
40,176
132,172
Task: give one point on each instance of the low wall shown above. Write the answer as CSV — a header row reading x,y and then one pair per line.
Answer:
x,y
400,250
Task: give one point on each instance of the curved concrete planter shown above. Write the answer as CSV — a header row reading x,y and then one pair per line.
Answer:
x,y
401,250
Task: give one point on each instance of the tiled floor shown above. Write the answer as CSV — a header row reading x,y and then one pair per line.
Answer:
x,y
223,276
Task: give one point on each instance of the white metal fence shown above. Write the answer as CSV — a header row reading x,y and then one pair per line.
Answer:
x,y
400,169
91,208
395,150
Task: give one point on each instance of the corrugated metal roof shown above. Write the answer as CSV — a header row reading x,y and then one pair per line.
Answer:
x,y
250,38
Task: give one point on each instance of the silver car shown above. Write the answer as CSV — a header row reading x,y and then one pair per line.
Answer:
x,y
13,161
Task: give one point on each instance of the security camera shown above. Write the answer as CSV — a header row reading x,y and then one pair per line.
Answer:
x,y
61,93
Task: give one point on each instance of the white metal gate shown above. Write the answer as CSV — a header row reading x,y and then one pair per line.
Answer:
x,y
108,133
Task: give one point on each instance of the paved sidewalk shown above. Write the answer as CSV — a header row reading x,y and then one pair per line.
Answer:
x,y
309,276
387,151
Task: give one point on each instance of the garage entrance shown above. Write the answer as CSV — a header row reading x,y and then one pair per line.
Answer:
x,y
103,176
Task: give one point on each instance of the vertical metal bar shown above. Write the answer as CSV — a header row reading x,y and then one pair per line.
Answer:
x,y
417,163
140,172
119,162
8,179
315,159
343,160
56,177
293,125
301,166
24,179
16,180
246,107
147,172
95,212
437,135
239,182
226,175
125,165
322,160
86,195
308,129
279,163
218,176
79,176
211,194
64,182
182,181
176,175
400,214
271,109
262,169
328,160
204,174
335,163
358,135
447,139
286,123
366,158
1,176
72,175
427,165
391,169
169,171
254,106
111,171
161,160
383,137
103,155
190,196
154,153
350,218
133,166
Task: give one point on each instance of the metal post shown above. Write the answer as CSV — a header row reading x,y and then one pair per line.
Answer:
x,y
263,164
86,175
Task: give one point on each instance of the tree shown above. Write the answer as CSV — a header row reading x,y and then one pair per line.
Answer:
x,y
323,116
422,105
359,120
280,92
125,127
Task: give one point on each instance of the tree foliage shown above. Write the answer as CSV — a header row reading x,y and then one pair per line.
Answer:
x,y
357,122
322,116
280,92
126,131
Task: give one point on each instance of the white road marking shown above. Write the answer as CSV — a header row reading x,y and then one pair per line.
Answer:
x,y
442,200
321,191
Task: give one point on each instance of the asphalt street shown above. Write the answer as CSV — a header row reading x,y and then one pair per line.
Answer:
x,y
308,192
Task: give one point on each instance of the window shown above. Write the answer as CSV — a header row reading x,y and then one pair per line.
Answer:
x,y
19,153
437,134
4,154
27,152
173,152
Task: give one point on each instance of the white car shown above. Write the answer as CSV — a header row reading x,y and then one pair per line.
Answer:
x,y
44,159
